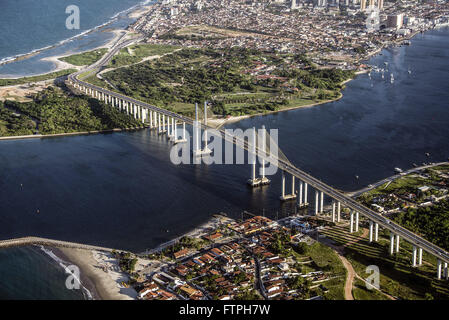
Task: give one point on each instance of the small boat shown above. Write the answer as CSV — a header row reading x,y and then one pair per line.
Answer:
x,y
427,154
356,177
409,71
398,170
415,165
391,78
383,76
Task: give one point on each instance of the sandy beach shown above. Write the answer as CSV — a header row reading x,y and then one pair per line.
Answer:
x,y
106,284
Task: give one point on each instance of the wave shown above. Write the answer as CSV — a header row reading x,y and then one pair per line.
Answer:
x,y
87,294
111,20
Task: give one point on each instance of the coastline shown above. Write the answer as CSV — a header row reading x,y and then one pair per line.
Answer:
x,y
134,12
82,133
104,285
218,123
86,282
390,179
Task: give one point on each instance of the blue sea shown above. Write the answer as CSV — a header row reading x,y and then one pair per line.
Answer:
x,y
29,26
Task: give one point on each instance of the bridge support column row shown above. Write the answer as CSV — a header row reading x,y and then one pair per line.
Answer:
x,y
291,196
351,222
414,254
333,210
354,221
373,231
302,195
392,243
254,181
322,202
338,211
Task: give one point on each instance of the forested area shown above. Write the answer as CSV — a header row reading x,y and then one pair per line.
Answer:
x,y
431,222
12,124
226,79
59,112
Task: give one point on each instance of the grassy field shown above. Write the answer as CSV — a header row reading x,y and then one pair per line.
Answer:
x,y
85,58
397,277
360,292
47,76
322,258
135,53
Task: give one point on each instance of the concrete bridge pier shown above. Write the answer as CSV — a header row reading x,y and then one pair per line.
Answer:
x,y
159,128
439,265
169,131
394,238
414,254
371,229
351,222
333,210
338,211
306,202
391,243
322,202
397,243
419,256
446,271
376,232
291,196
183,139
316,201
144,114
253,181
163,130
356,221
299,202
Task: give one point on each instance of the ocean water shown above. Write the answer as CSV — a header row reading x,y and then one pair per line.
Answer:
x,y
29,273
120,190
29,25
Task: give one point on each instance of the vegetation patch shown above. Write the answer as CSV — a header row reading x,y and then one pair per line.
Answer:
x,y
85,58
47,76
58,112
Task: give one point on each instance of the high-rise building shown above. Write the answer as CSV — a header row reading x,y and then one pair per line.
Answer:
x,y
380,4
293,6
371,3
362,5
395,21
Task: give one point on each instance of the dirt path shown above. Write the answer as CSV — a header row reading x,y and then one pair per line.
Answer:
x,y
351,272
348,266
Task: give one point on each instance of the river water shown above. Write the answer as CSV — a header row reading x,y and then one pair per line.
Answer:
x,y
120,190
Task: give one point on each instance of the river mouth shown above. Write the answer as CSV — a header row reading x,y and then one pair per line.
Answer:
x,y
120,190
